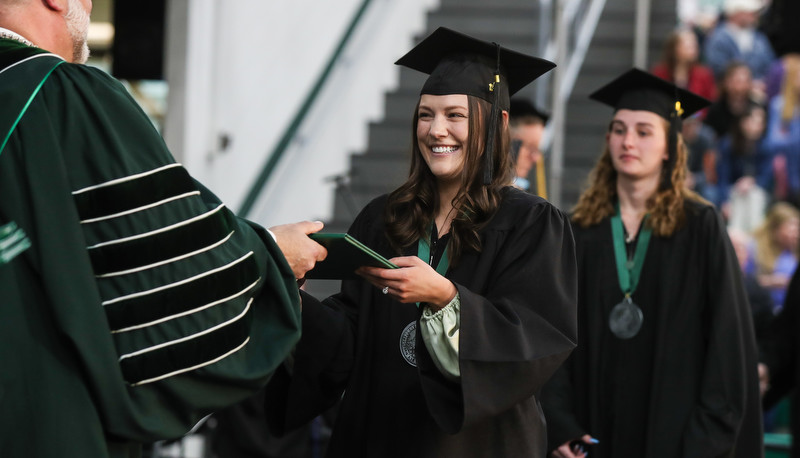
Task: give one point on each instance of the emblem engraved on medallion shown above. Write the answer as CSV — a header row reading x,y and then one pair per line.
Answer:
x,y
408,343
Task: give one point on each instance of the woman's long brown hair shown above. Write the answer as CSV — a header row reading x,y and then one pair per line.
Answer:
x,y
665,206
669,53
411,208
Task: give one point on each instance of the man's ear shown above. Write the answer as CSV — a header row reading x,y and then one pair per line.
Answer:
x,y
56,5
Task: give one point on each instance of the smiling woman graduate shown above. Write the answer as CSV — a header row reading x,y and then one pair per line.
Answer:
x,y
446,355
666,363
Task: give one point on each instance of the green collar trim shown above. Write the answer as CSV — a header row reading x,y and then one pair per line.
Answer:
x,y
32,96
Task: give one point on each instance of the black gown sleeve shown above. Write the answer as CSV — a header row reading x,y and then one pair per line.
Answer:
x,y
558,401
323,359
780,347
321,366
730,356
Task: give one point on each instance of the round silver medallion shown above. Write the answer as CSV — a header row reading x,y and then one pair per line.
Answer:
x,y
408,343
626,319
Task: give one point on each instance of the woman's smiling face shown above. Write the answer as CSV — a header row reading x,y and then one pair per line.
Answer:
x,y
442,131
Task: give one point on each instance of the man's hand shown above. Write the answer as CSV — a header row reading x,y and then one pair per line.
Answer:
x,y
300,251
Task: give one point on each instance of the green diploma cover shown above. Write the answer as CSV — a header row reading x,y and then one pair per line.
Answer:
x,y
345,255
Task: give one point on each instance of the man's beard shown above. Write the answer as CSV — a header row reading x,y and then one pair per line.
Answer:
x,y
77,20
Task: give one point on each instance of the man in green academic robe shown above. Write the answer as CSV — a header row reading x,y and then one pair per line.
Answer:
x,y
132,302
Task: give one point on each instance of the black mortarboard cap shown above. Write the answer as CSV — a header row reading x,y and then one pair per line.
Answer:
x,y
460,64
639,90
524,107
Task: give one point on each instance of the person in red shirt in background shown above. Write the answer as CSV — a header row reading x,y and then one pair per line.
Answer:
x,y
681,66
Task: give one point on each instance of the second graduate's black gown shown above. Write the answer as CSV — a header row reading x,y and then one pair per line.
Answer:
x,y
782,357
686,384
517,326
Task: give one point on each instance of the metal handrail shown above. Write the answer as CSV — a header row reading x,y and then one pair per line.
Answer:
x,y
640,41
585,32
570,15
291,131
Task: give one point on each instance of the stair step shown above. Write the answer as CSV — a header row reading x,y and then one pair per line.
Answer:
x,y
390,136
379,170
593,77
610,51
584,140
400,105
485,5
516,29
587,111
658,10
622,30
526,42
349,201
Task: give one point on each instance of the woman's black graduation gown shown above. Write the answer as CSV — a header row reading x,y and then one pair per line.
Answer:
x,y
518,305
782,356
686,384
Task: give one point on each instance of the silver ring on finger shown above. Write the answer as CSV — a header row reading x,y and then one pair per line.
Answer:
x,y
385,290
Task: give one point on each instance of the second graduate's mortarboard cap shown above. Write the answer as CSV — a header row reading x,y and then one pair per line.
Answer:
x,y
460,64
639,90
642,91
523,107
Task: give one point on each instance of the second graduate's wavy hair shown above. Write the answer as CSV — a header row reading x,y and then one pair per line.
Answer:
x,y
411,208
666,206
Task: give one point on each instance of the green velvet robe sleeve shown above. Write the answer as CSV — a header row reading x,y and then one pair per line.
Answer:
x,y
143,303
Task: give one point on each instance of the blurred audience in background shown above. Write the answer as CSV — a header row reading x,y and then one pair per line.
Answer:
x,y
736,96
701,141
783,134
737,38
744,171
527,122
776,244
680,65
